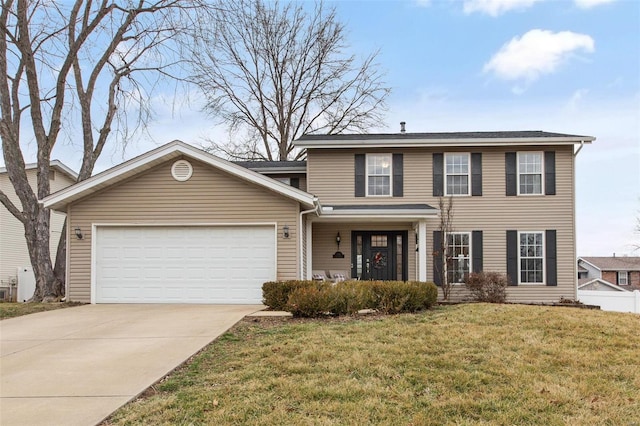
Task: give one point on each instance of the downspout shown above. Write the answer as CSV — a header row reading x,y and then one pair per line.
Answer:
x,y
316,209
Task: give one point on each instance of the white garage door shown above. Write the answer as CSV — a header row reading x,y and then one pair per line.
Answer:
x,y
183,264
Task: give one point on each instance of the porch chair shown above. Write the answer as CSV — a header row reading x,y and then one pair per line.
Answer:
x,y
337,276
319,275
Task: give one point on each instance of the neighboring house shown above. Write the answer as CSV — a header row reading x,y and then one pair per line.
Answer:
x,y
13,247
180,225
621,271
597,284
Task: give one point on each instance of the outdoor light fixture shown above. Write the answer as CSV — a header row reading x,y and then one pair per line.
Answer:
x,y
78,232
338,254
285,231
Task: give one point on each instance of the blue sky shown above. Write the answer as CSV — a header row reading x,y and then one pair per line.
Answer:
x,y
561,66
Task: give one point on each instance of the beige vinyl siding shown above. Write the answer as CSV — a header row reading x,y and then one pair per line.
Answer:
x,y
303,183
331,177
324,244
154,197
13,247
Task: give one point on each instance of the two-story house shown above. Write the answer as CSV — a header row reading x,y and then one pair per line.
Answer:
x,y
180,225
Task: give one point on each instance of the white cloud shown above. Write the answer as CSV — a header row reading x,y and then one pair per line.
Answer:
x,y
536,53
588,4
423,3
496,7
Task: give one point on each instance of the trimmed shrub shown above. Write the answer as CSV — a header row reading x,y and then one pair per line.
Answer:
x,y
275,294
392,297
309,302
425,293
348,297
315,298
488,286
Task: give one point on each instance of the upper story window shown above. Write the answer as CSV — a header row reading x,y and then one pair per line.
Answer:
x,y
457,174
459,252
378,174
530,173
623,278
530,170
531,257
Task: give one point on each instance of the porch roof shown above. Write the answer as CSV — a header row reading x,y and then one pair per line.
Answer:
x,y
378,212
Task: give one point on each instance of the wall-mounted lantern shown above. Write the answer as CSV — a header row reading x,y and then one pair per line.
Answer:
x,y
78,233
285,231
338,254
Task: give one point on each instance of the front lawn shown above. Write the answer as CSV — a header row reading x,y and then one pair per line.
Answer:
x,y
14,309
463,364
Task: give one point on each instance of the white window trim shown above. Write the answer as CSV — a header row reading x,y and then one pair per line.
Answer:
x,y
626,279
542,192
544,258
468,154
446,271
366,184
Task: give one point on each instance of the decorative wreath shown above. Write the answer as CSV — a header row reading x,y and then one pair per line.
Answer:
x,y
379,261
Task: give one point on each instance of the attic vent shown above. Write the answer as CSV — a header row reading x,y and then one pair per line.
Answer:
x,y
181,170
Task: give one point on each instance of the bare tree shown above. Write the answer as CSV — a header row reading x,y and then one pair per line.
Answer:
x,y
274,72
636,246
443,254
90,65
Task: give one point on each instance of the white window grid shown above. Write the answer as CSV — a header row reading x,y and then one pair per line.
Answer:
x,y
531,257
379,175
458,265
623,278
457,172
530,173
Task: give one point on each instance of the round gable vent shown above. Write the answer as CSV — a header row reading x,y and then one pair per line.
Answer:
x,y
181,170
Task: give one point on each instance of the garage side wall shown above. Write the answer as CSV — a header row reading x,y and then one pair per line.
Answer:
x,y
210,197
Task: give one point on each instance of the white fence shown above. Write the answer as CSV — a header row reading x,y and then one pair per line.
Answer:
x,y
615,301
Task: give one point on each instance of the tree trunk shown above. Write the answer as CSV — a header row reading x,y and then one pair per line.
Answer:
x,y
38,237
60,267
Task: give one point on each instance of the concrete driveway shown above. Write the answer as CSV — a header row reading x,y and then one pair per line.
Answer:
x,y
76,366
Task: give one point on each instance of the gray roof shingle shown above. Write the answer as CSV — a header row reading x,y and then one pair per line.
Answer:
x,y
614,263
444,135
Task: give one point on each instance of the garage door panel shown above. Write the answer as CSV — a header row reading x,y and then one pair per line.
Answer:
x,y
183,264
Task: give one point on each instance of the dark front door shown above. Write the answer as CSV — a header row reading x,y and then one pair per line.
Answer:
x,y
379,255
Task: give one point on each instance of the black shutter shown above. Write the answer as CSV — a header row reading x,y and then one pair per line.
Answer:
x,y
476,173
511,169
295,182
617,278
397,175
438,175
476,247
360,175
437,258
550,173
512,257
551,257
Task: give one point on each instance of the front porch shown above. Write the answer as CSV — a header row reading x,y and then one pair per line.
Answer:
x,y
371,242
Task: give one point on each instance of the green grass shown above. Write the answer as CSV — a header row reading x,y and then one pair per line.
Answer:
x,y
462,365
13,309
